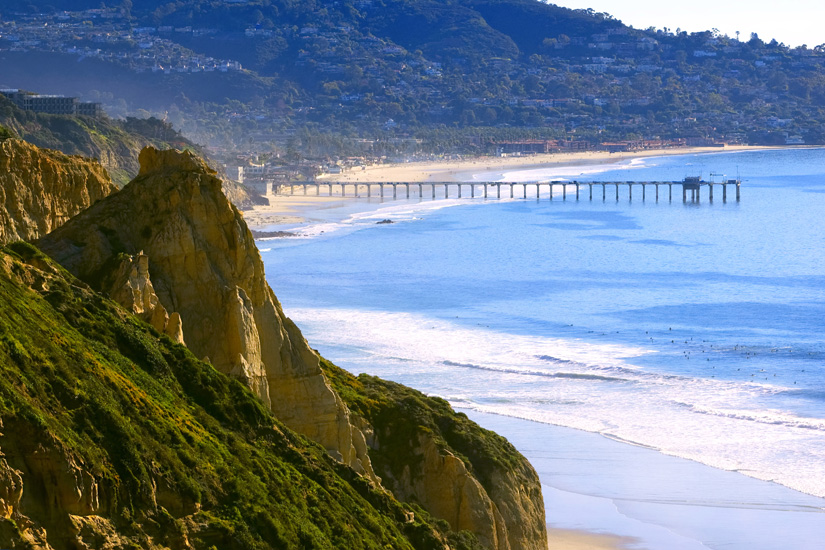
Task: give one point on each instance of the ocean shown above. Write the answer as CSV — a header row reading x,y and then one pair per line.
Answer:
x,y
666,329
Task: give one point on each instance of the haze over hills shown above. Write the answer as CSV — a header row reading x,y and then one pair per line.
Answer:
x,y
454,74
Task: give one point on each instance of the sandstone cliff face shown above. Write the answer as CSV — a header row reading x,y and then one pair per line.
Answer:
x,y
444,487
203,265
130,286
506,513
425,452
41,189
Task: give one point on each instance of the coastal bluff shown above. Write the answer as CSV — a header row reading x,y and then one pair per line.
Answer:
x,y
426,452
171,240
40,189
113,437
204,266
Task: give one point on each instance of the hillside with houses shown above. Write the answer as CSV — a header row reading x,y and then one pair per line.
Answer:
x,y
372,78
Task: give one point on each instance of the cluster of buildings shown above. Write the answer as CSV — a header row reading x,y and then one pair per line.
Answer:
x,y
52,104
544,146
261,176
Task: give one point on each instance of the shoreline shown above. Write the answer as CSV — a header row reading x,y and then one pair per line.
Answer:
x,y
451,170
577,539
601,494
635,497
293,211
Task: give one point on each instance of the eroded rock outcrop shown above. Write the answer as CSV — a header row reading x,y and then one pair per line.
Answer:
x,y
444,486
130,286
41,189
204,265
425,452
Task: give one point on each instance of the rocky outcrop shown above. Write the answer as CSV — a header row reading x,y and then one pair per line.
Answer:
x,y
203,264
39,479
506,513
444,487
41,189
427,453
130,286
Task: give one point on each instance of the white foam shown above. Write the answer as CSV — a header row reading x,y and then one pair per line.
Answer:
x,y
397,212
582,385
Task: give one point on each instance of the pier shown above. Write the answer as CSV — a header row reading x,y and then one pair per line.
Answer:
x,y
691,188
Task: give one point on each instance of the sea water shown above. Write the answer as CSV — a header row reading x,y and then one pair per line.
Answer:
x,y
688,329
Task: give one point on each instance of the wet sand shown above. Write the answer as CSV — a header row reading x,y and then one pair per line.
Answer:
x,y
571,539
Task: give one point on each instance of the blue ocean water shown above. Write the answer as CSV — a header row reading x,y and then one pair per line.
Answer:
x,y
694,329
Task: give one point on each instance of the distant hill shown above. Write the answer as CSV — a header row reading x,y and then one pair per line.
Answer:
x,y
457,73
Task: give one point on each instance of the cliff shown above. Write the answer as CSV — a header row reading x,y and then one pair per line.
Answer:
x,y
41,189
427,453
112,437
171,240
205,267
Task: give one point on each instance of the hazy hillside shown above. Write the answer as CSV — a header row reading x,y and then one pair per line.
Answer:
x,y
115,143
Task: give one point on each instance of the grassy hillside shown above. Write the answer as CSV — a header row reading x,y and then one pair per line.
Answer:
x,y
120,436
401,413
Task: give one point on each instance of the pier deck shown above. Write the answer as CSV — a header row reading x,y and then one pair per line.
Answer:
x,y
691,189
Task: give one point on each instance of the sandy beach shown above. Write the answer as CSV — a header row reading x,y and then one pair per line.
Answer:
x,y
414,172
295,210
570,539
286,210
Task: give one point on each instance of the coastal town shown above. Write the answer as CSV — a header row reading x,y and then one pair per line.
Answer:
x,y
623,86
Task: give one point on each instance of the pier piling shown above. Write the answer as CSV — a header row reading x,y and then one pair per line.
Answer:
x,y
691,188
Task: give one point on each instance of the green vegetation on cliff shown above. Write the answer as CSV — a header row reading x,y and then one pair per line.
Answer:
x,y
399,414
115,436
